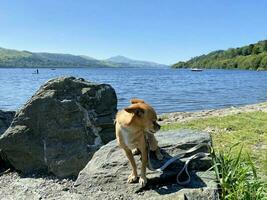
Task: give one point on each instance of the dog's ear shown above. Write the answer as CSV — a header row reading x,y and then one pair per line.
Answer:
x,y
133,101
135,110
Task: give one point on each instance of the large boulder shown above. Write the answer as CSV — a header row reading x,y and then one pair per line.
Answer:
x,y
105,176
6,118
60,127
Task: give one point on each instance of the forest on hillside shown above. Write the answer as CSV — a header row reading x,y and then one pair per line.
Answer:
x,y
253,57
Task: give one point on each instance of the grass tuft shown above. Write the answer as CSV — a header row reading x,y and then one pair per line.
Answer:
x,y
237,176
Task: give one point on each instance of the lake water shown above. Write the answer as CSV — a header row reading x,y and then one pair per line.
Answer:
x,y
168,90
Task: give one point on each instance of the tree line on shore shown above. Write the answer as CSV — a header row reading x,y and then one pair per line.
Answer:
x,y
252,57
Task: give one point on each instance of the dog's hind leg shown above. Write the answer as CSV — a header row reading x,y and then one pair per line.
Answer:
x,y
153,145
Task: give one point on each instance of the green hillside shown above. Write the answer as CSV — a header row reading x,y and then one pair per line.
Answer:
x,y
253,57
14,58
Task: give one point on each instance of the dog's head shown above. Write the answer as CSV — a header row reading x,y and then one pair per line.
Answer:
x,y
143,116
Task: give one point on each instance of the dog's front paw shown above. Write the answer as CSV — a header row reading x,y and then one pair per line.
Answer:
x,y
135,151
132,178
143,181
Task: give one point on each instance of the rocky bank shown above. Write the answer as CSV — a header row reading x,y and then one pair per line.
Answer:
x,y
105,176
72,115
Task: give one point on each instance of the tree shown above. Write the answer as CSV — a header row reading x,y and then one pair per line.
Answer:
x,y
264,45
263,63
245,51
256,50
250,49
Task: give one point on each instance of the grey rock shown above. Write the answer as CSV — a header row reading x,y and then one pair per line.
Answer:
x,y
60,127
105,176
6,118
14,186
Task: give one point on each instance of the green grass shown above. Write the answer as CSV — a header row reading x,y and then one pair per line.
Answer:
x,y
250,129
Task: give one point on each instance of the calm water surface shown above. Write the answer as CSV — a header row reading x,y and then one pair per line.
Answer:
x,y
168,90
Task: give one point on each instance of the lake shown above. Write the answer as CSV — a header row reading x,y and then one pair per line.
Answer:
x,y
168,90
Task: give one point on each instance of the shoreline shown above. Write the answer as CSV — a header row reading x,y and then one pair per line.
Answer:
x,y
175,117
183,116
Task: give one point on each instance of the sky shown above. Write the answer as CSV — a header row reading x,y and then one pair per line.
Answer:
x,y
164,31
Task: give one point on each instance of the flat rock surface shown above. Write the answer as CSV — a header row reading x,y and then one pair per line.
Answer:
x,y
106,174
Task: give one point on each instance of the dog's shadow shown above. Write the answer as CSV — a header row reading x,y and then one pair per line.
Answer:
x,y
165,182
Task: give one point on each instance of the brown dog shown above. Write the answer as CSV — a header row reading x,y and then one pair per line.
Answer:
x,y
132,125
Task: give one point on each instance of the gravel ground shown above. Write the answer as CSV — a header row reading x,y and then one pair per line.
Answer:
x,y
16,186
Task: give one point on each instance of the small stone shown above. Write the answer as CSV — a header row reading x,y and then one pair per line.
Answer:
x,y
65,189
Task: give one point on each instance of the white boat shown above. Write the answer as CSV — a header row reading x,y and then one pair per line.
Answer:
x,y
196,69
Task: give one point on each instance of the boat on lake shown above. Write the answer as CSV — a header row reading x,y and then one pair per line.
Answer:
x,y
196,69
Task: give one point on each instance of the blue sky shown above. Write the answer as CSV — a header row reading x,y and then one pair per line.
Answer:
x,y
156,30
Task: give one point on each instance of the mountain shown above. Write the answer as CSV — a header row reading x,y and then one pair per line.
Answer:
x,y
122,61
119,59
15,58
253,57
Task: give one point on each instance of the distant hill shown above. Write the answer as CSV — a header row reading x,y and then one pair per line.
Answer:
x,y
253,56
119,59
15,58
122,61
